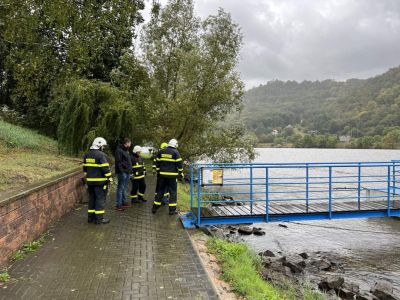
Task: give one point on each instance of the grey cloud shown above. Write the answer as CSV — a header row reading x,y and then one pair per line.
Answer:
x,y
309,40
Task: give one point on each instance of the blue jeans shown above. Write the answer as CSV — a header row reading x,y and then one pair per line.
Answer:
x,y
123,180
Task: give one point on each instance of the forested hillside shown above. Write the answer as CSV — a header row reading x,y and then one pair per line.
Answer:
x,y
365,110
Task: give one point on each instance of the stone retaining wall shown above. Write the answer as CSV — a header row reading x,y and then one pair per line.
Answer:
x,y
26,214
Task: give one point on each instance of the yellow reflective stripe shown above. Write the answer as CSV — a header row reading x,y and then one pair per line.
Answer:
x,y
169,159
96,179
135,167
105,187
138,177
140,194
168,173
96,165
108,174
180,170
91,211
133,196
99,212
166,194
172,204
158,169
157,203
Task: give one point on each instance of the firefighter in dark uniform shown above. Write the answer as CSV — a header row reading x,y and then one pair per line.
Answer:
x,y
156,173
137,177
96,168
170,168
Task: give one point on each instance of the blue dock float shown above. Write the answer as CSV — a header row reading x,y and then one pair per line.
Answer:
x,y
223,193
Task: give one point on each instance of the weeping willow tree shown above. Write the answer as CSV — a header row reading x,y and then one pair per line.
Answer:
x,y
93,108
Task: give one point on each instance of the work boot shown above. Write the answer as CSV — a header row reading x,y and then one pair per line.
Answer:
x,y
119,208
91,218
154,209
173,212
143,200
101,220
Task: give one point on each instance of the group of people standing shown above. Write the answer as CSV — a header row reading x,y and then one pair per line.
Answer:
x,y
130,166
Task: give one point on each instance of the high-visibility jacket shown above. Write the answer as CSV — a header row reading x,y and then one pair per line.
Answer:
x,y
96,167
169,162
138,167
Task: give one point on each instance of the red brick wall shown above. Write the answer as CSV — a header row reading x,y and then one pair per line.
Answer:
x,y
26,214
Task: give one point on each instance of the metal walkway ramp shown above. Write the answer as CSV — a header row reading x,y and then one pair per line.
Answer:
x,y
263,192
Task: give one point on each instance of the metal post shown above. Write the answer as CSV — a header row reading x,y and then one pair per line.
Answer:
x,y
251,190
266,195
394,180
330,192
198,196
191,187
388,192
307,192
359,186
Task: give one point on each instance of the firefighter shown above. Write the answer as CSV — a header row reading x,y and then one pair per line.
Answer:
x,y
155,172
137,177
169,165
96,168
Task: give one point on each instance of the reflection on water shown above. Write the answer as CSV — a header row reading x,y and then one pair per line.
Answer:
x,y
369,248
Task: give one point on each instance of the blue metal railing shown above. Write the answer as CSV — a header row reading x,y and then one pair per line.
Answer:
x,y
264,186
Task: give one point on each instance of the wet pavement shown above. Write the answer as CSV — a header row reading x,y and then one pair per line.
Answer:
x,y
137,256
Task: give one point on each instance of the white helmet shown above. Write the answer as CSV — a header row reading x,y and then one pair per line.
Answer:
x,y
137,149
173,143
98,143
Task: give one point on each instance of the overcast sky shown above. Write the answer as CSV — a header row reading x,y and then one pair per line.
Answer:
x,y
313,39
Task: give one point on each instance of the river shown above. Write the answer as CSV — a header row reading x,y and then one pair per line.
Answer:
x,y
368,248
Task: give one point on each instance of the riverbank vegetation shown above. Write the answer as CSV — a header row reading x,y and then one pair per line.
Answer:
x,y
241,268
77,75
327,114
27,157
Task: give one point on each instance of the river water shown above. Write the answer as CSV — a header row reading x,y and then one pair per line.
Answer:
x,y
368,248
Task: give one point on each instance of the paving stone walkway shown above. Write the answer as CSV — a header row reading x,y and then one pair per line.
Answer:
x,y
137,256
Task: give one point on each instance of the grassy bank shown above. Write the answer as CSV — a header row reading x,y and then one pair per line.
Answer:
x,y
241,268
27,157
183,197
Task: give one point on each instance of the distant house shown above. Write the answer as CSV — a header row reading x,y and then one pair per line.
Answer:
x,y
344,138
275,132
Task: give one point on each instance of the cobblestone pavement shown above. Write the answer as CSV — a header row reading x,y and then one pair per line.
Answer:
x,y
137,256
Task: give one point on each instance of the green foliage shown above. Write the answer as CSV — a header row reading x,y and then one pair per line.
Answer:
x,y
90,109
28,248
192,67
4,276
72,73
46,43
241,268
358,108
13,136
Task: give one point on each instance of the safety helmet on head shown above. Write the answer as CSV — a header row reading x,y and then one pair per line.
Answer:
x,y
137,149
173,143
98,143
163,145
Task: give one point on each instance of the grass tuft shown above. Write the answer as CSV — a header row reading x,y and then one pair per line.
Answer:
x,y
4,276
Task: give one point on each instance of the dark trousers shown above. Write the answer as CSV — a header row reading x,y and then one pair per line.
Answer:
x,y
167,184
97,201
165,192
138,189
